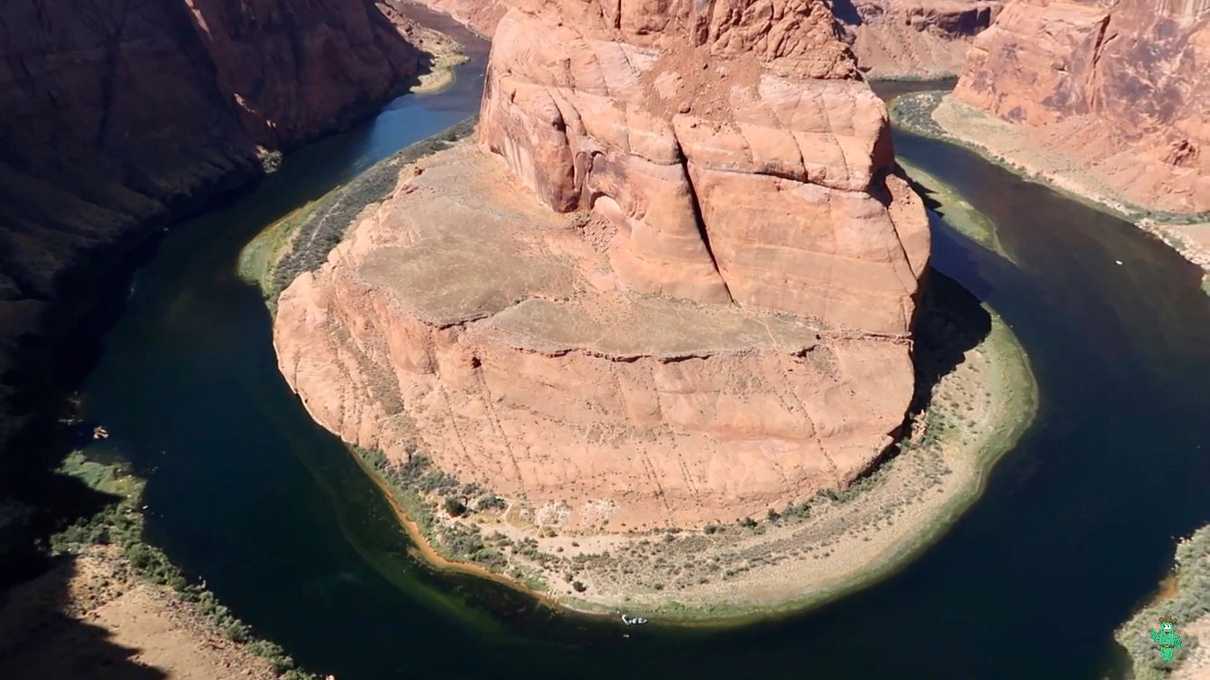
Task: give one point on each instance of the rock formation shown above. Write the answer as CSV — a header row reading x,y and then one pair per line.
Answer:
x,y
678,288
914,38
118,113
1118,86
481,16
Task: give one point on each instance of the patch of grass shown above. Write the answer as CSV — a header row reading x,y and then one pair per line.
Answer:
x,y
301,241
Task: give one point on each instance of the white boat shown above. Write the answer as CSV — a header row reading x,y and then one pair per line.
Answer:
x,y
633,620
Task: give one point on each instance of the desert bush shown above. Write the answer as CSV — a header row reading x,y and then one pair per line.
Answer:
x,y
490,502
454,507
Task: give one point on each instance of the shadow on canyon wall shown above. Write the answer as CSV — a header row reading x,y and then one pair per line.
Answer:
x,y
100,152
846,12
949,322
40,637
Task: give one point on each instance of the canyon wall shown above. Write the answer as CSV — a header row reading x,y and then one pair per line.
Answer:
x,y
481,16
1117,85
914,38
121,113
673,283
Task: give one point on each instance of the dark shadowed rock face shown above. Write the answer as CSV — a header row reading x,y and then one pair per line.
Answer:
x,y
1119,85
117,113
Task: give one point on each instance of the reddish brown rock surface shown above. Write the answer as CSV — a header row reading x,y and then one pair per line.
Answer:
x,y
480,16
914,38
679,289
1118,87
118,114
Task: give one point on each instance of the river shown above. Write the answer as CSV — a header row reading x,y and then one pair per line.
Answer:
x,y
1076,527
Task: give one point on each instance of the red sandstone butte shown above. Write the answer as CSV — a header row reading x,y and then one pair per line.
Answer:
x,y
1118,86
673,283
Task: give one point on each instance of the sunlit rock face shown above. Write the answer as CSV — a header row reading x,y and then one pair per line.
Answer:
x,y
671,282
914,38
1120,86
734,149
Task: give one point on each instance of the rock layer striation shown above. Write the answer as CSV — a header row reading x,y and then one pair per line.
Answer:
x,y
121,114
1119,86
673,284
914,38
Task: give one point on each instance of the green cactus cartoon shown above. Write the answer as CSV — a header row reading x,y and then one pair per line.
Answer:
x,y
1167,639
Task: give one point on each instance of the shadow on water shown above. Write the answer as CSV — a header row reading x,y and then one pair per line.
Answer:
x,y
93,292
949,322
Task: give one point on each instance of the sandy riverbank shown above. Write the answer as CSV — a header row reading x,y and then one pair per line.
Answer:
x,y
1183,600
936,114
795,557
803,556
445,52
112,606
91,617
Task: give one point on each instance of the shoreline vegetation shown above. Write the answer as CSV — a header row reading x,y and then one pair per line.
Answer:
x,y
145,611
106,602
944,201
301,240
801,557
1183,600
983,397
937,115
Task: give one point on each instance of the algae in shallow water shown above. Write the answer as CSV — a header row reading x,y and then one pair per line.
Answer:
x,y
1183,605
947,202
120,524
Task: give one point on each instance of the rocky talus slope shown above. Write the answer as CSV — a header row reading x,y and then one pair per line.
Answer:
x,y
674,283
118,115
914,38
1117,87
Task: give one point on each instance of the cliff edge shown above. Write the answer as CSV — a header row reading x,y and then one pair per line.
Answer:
x,y
914,39
674,282
1112,90
121,116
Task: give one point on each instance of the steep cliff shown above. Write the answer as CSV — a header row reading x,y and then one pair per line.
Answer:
x,y
1116,86
678,287
122,113
480,16
914,38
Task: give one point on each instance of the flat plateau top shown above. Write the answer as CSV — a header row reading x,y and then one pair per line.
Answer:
x,y
460,249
